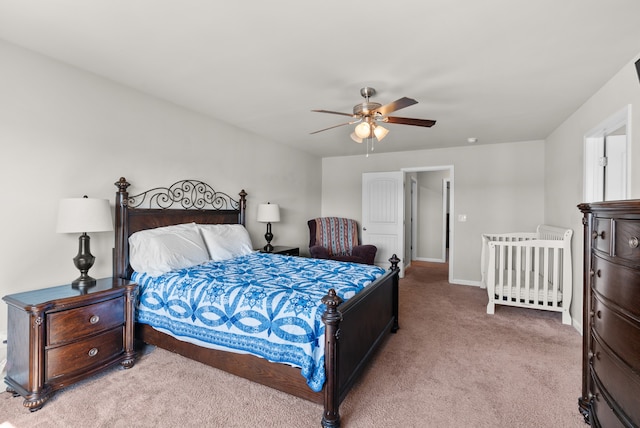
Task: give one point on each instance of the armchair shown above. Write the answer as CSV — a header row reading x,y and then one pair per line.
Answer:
x,y
337,239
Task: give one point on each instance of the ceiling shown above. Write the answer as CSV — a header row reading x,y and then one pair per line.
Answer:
x,y
497,70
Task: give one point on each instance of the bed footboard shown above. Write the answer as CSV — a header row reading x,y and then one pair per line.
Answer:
x,y
353,331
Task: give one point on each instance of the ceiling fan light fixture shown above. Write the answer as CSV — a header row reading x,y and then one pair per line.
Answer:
x,y
363,130
380,132
355,138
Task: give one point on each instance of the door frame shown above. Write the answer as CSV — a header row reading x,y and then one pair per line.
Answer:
x,y
451,180
593,140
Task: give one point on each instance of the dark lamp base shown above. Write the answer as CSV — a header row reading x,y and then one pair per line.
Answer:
x,y
83,282
83,262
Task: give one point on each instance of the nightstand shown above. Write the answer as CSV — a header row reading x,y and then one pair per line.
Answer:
x,y
285,251
61,335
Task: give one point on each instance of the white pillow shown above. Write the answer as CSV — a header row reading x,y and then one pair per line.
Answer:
x,y
226,241
163,249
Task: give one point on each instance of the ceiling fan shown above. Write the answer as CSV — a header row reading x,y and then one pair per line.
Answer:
x,y
369,114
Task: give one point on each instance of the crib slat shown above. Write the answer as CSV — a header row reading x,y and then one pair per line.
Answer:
x,y
501,272
536,273
518,269
556,276
545,282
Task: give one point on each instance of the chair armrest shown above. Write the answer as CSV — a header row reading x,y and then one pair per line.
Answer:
x,y
319,252
365,252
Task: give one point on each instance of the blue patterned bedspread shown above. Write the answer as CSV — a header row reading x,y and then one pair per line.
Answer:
x,y
263,304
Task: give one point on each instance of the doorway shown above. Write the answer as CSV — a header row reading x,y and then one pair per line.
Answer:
x,y
606,160
429,202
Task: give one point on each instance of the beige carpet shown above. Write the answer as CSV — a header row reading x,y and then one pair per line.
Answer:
x,y
450,365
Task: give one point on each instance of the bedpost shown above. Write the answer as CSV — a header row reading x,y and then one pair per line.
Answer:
x,y
121,250
331,318
394,260
243,206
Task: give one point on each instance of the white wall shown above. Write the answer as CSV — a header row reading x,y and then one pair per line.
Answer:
x,y
430,214
500,188
67,133
564,163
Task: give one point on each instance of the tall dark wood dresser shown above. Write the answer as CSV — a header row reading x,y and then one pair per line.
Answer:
x,y
611,314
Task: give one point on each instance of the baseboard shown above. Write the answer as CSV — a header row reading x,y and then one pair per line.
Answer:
x,y
467,282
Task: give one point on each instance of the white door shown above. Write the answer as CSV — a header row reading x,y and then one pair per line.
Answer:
x,y
383,215
606,168
606,160
615,171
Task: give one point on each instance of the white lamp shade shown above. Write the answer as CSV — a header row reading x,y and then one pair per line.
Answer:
x,y
363,130
80,215
380,132
268,213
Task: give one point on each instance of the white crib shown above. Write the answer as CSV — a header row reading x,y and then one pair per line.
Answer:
x,y
529,270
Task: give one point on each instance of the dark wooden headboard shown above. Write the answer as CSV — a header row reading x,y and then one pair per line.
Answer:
x,y
183,202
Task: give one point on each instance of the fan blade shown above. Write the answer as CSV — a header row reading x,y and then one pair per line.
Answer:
x,y
407,121
334,126
334,112
396,105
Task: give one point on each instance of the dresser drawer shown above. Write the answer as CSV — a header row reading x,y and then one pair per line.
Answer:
x,y
601,236
72,324
78,357
618,381
627,240
601,413
618,333
618,283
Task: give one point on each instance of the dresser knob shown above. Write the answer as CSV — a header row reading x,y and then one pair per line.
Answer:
x,y
94,319
598,273
633,242
595,234
93,352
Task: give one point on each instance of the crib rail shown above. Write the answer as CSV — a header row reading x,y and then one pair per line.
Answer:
x,y
531,270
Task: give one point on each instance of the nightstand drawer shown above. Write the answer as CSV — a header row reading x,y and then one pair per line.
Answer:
x,y
66,326
81,356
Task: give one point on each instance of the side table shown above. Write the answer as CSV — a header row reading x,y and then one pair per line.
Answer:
x,y
61,335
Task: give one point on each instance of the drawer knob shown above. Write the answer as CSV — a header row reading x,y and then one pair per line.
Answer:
x,y
595,234
633,242
94,319
599,273
93,352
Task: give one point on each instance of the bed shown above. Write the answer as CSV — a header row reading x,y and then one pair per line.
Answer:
x,y
353,329
529,269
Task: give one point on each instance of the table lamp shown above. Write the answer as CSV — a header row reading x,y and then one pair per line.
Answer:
x,y
268,213
82,215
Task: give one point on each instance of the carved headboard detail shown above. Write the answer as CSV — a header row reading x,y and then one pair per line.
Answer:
x,y
183,202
